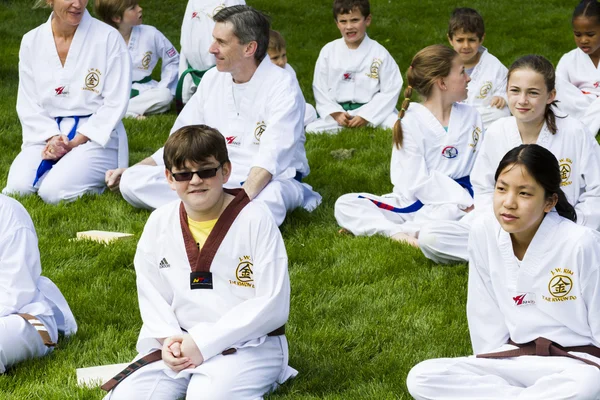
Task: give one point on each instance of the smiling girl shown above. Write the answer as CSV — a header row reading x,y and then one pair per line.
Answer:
x,y
534,288
435,144
531,95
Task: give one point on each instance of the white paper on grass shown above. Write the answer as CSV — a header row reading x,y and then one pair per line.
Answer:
x,y
97,376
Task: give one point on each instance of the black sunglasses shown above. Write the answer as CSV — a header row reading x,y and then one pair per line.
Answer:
x,y
202,174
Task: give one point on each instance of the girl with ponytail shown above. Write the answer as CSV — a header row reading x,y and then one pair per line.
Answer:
x,y
534,279
531,93
434,147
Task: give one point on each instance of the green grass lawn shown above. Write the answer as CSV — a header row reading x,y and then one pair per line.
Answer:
x,y
363,310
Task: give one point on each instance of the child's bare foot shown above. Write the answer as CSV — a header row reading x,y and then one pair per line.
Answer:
x,y
404,238
345,231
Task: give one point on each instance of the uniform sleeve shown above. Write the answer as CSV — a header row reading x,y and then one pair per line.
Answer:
x,y
170,63
591,282
324,98
19,269
116,93
255,317
588,205
482,174
154,294
412,178
192,114
38,126
486,322
501,82
383,103
562,70
285,126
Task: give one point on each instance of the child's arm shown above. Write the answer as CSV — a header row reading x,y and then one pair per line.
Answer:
x,y
486,321
499,96
170,62
588,205
382,104
324,98
562,70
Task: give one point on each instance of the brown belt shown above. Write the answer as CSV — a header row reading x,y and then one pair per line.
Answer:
x,y
156,356
40,328
545,348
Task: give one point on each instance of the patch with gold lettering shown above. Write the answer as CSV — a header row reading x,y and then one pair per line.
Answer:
x,y
243,273
560,285
485,89
374,69
92,80
565,167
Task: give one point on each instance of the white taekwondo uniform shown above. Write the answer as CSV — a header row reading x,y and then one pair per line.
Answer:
x,y
367,75
310,114
575,149
424,168
262,124
488,79
196,38
249,299
554,293
146,46
96,81
578,88
24,291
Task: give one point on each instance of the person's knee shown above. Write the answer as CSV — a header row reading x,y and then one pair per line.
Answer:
x,y
417,379
344,205
52,192
19,187
203,387
586,379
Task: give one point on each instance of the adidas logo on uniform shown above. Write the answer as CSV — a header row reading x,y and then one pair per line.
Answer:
x,y
164,264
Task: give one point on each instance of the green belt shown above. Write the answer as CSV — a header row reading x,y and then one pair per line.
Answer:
x,y
196,77
135,92
348,106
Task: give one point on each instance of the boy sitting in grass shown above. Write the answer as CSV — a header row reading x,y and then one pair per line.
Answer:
x,y
278,54
146,46
213,285
487,89
356,81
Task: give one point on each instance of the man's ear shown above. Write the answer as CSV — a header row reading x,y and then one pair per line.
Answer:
x,y
226,171
251,49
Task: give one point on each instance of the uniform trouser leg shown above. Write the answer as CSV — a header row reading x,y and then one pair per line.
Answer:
x,y
79,172
188,89
245,375
310,114
145,186
19,341
527,377
324,125
445,241
390,121
363,218
281,196
151,101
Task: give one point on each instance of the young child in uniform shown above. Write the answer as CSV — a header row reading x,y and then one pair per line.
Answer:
x,y
533,290
487,89
356,81
32,308
147,45
579,68
278,54
435,145
531,95
213,285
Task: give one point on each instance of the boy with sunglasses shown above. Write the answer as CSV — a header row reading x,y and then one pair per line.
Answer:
x,y
213,285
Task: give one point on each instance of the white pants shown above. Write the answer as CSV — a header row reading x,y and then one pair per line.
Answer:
x,y
363,218
445,242
310,114
491,114
330,125
79,172
247,374
145,186
151,101
525,377
20,341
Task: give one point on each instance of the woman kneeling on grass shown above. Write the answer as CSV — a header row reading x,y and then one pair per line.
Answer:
x,y
74,81
534,295
435,144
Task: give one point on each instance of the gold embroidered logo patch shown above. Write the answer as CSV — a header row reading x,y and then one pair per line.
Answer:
x,y
243,273
374,69
92,79
565,166
560,285
485,90
475,135
259,130
146,60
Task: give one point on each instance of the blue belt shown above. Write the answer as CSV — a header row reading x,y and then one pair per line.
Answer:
x,y
46,165
465,182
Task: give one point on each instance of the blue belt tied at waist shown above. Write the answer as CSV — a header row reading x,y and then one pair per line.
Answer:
x,y
46,165
465,182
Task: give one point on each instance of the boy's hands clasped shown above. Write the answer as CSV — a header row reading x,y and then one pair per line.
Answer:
x,y
180,352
